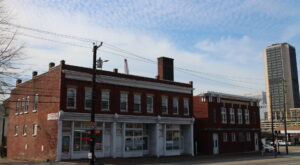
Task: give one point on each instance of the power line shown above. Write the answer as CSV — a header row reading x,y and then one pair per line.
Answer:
x,y
114,48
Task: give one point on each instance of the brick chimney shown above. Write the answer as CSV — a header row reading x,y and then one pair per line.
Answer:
x,y
165,68
51,65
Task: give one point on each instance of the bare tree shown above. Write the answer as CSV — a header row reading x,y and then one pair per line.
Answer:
x,y
10,50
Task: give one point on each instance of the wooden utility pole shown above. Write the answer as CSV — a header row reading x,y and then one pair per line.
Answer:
x,y
91,154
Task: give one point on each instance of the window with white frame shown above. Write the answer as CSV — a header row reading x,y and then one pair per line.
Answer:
x,y
248,136
233,137
164,105
210,99
26,105
22,105
71,98
149,99
34,129
247,117
224,115
186,106
105,100
175,106
16,130
232,116
134,137
35,103
218,99
137,103
81,138
88,99
240,116
225,137
123,101
25,130
173,137
18,106
203,98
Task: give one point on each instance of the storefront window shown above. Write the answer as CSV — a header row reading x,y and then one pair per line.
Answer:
x,y
82,136
173,137
136,138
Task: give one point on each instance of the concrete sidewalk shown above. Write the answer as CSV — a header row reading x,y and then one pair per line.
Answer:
x,y
202,159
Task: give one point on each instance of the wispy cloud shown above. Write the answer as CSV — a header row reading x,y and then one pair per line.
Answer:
x,y
219,37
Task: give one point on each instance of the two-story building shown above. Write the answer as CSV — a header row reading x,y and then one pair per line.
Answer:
x,y
226,123
135,116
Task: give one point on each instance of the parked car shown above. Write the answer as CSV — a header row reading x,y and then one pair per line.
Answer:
x,y
268,148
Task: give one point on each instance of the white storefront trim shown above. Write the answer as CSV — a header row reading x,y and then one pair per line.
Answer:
x,y
158,141
73,116
83,76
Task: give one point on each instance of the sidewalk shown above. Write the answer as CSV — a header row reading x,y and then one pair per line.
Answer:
x,y
202,159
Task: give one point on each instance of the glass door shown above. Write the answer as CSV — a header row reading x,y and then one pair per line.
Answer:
x,y
65,149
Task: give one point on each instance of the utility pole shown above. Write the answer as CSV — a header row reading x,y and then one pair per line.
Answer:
x,y
284,118
272,125
272,120
91,155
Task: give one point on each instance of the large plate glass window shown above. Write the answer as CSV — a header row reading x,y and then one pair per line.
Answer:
x,y
173,137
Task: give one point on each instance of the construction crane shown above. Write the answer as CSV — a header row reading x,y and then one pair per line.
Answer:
x,y
126,66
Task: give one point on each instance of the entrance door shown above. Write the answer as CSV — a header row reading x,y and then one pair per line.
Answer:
x,y
65,149
216,144
256,142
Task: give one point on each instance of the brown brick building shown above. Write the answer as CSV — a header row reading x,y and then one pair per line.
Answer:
x,y
226,123
135,116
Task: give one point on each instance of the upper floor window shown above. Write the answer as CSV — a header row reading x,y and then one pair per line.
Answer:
x,y
35,103
71,98
186,106
25,130
218,99
247,117
124,102
175,106
105,100
240,116
137,103
18,106
164,105
149,103
203,99
16,130
88,99
233,137
22,105
224,115
232,116
26,105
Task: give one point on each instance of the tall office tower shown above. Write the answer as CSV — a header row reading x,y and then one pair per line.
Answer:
x,y
281,77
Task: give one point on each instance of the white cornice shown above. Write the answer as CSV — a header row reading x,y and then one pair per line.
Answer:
x,y
125,118
82,76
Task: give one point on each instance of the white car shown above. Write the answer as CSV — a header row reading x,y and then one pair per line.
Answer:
x,y
268,148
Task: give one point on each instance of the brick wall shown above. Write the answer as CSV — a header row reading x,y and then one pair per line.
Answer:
x,y
43,145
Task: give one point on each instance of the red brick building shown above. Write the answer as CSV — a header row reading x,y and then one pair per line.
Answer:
x,y
226,123
135,116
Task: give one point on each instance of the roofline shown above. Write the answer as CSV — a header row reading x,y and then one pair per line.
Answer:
x,y
226,95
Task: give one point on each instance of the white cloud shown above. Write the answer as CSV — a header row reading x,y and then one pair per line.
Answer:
x,y
226,56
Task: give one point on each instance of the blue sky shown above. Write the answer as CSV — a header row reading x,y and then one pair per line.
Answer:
x,y
221,40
